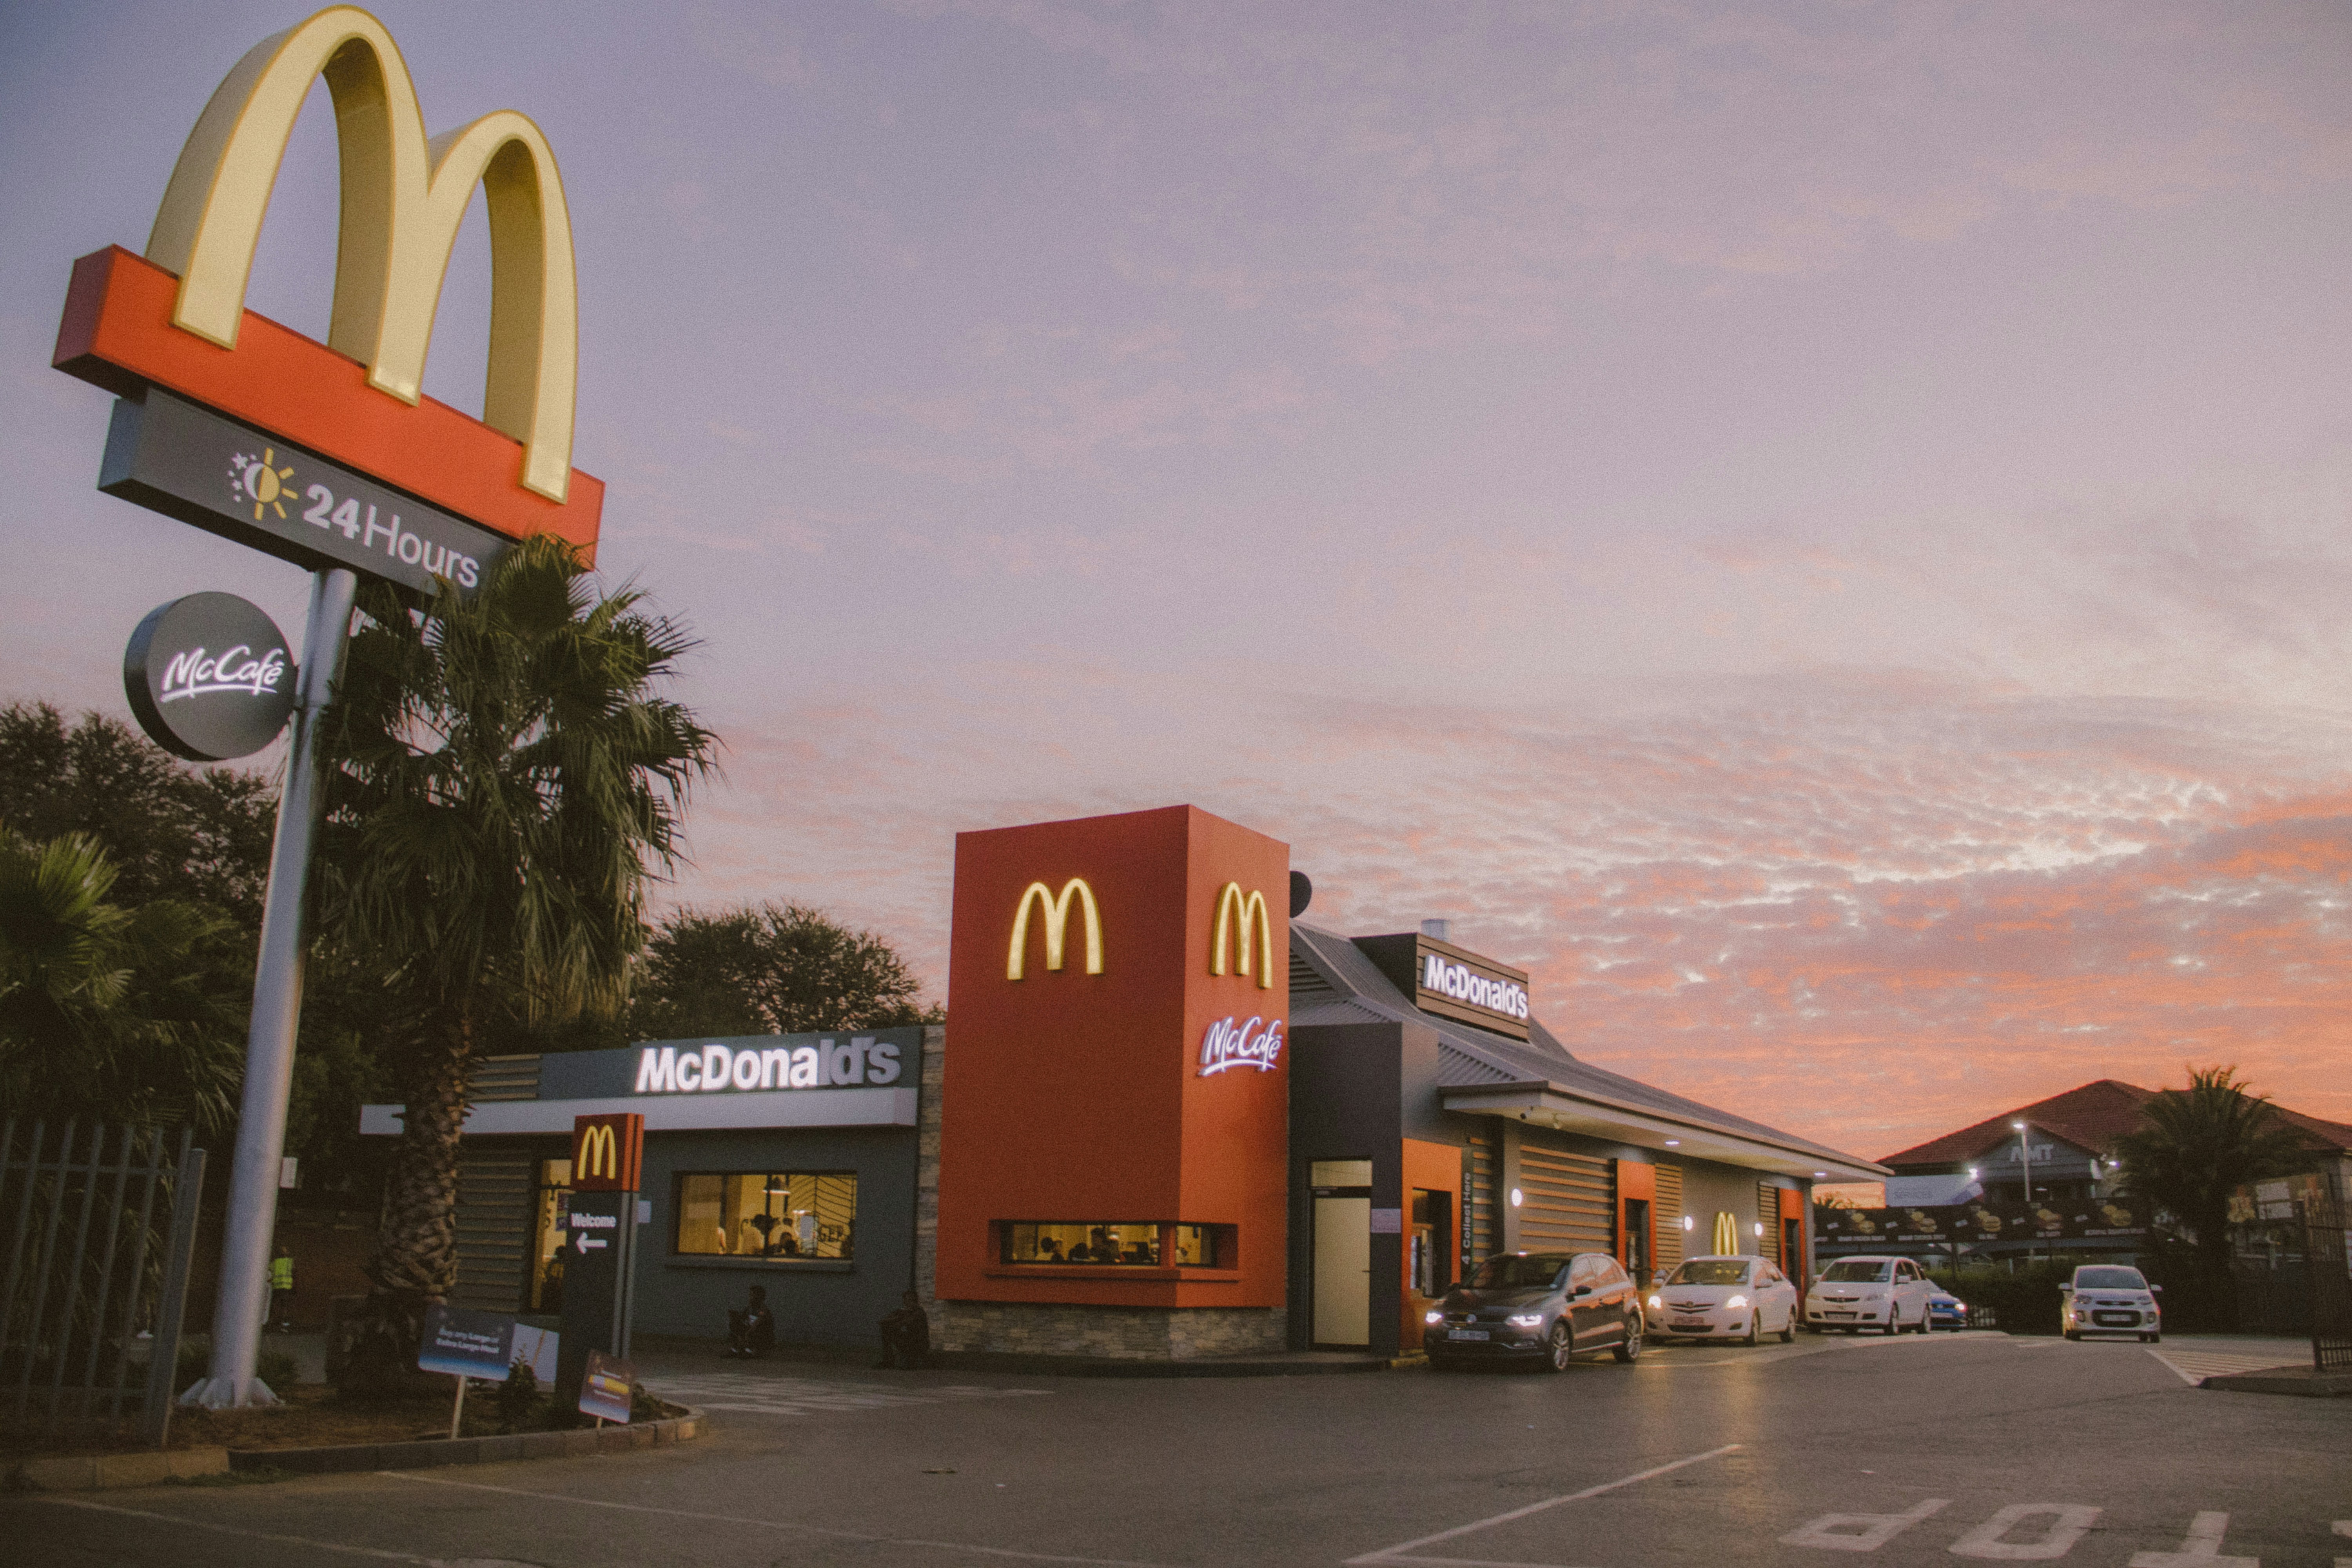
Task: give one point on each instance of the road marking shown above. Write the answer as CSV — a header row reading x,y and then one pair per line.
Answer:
x,y
2344,1526
2069,1522
1860,1532
811,1397
771,1524
2202,1546
183,1522
2196,1365
1397,1553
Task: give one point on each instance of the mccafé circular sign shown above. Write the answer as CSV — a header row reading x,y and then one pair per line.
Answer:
x,y
209,678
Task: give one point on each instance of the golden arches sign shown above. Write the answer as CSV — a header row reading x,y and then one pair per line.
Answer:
x,y
1057,921
402,199
599,1154
1249,913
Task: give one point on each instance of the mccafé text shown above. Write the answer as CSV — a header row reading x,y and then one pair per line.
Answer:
x,y
1228,1044
197,673
828,1064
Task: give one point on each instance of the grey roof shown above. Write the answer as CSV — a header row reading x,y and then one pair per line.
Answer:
x,y
1472,1057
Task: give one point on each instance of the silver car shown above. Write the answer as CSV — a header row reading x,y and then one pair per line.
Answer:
x,y
2109,1298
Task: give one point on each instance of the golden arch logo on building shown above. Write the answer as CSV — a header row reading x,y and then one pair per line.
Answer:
x,y
599,1154
1057,923
402,199
1243,916
607,1152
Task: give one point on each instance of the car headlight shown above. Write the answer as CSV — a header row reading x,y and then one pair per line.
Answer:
x,y
1656,1304
1433,1316
1736,1301
1525,1320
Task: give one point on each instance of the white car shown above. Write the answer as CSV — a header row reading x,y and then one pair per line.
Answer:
x,y
2108,1298
1886,1294
1724,1297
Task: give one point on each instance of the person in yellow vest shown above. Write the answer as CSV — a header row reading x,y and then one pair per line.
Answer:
x,y
281,1290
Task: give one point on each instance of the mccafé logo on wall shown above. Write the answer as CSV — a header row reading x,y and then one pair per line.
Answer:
x,y
1229,1044
1240,941
1055,912
209,678
713,1069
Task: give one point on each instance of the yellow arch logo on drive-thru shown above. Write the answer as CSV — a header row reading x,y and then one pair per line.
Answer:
x,y
1249,913
599,1154
1057,921
402,199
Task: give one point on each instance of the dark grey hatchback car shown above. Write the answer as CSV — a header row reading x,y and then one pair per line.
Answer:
x,y
1547,1307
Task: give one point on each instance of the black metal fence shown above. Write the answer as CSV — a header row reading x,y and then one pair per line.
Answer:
x,y
98,1225
2325,1241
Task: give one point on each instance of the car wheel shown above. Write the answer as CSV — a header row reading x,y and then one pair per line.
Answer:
x,y
1630,1350
1893,1322
2157,1338
1749,1340
1558,1349
2074,1334
1788,1328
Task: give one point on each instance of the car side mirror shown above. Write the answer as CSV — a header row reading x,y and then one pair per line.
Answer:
x,y
1579,1291
2155,1289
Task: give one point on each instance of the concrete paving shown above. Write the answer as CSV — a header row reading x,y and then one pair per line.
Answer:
x,y
1910,1451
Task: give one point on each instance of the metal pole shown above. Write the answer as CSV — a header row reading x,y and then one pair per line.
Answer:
x,y
2025,1158
276,1009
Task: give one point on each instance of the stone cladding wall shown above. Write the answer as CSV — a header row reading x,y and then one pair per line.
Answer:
x,y
1039,1328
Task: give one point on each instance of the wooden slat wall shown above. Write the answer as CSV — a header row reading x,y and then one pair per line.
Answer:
x,y
495,1194
1480,1230
1572,1201
1768,1211
504,1078
1670,1216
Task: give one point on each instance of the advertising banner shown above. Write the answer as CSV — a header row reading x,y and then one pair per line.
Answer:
x,y
605,1390
466,1343
1974,1224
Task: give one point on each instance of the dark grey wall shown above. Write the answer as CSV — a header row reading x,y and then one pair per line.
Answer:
x,y
819,1302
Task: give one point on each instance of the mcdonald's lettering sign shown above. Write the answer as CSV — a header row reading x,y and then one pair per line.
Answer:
x,y
1243,917
175,318
1057,911
608,1153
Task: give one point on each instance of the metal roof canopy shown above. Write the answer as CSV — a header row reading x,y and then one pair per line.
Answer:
x,y
1545,1105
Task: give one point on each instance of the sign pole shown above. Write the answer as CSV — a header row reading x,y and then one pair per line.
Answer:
x,y
277,1010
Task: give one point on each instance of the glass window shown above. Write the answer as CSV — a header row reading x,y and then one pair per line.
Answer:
x,y
1340,1173
771,1214
1135,1245
1859,1272
2109,1278
1711,1271
1519,1271
545,1293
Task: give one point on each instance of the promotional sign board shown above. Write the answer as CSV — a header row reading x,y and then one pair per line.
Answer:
x,y
1974,1224
466,1343
209,677
607,1152
173,457
605,1386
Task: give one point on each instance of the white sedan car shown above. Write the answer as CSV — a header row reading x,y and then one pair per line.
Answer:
x,y
1885,1294
1724,1297
2108,1298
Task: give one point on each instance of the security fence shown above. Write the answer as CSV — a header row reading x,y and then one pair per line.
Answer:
x,y
2324,1240
97,1228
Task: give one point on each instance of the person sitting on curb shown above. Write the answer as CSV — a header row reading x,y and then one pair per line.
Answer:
x,y
751,1332
907,1336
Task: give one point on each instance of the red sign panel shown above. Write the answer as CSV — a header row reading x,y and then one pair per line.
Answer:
x,y
607,1152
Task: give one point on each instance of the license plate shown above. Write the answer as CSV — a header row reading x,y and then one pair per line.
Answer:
x,y
1687,1324
1468,1334
1834,1313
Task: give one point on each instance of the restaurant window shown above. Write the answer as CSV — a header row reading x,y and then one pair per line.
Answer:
x,y
550,1215
771,1214
1134,1245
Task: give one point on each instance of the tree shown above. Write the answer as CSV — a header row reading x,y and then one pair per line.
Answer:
x,y
773,969
169,831
2193,1148
111,1014
503,772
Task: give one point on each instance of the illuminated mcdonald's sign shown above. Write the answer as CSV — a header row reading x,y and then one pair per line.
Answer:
x,y
608,1153
1057,919
403,200
1248,912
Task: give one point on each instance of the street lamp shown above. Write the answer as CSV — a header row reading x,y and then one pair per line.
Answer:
x,y
2025,1162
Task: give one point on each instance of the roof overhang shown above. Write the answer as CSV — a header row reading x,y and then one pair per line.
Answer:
x,y
1546,1105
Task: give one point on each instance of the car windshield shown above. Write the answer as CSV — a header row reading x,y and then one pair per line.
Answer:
x,y
2109,1279
1858,1271
1711,1271
1518,1271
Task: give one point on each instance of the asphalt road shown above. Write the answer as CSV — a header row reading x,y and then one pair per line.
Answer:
x,y
1825,1452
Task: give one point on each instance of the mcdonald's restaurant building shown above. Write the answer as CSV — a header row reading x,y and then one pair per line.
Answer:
x,y
1170,1117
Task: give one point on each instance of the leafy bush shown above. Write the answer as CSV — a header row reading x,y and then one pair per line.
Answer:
x,y
277,1369
521,1404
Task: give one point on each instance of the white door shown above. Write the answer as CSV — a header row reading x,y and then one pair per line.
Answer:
x,y
1343,1271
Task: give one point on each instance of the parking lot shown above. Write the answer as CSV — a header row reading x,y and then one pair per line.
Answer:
x,y
1905,1451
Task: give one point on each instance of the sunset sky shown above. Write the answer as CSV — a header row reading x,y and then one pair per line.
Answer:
x,y
1820,530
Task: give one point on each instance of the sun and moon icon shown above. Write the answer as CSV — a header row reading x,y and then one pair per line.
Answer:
x,y
256,479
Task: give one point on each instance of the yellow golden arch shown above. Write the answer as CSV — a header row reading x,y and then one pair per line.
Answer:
x,y
1057,921
600,1152
402,199
1248,911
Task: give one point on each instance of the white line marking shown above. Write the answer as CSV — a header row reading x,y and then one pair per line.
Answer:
x,y
184,1523
2068,1523
2201,1545
1394,1553
2344,1526
1861,1532
772,1523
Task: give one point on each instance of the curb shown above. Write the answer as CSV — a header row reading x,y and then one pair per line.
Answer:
x,y
434,1453
2297,1380
1092,1366
104,1473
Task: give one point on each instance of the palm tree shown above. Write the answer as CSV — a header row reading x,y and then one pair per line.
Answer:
x,y
2196,1146
504,782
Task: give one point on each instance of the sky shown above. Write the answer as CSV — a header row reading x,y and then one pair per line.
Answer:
x,y
1817,530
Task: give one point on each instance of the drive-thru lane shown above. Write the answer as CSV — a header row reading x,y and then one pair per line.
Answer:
x,y
1977,1447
